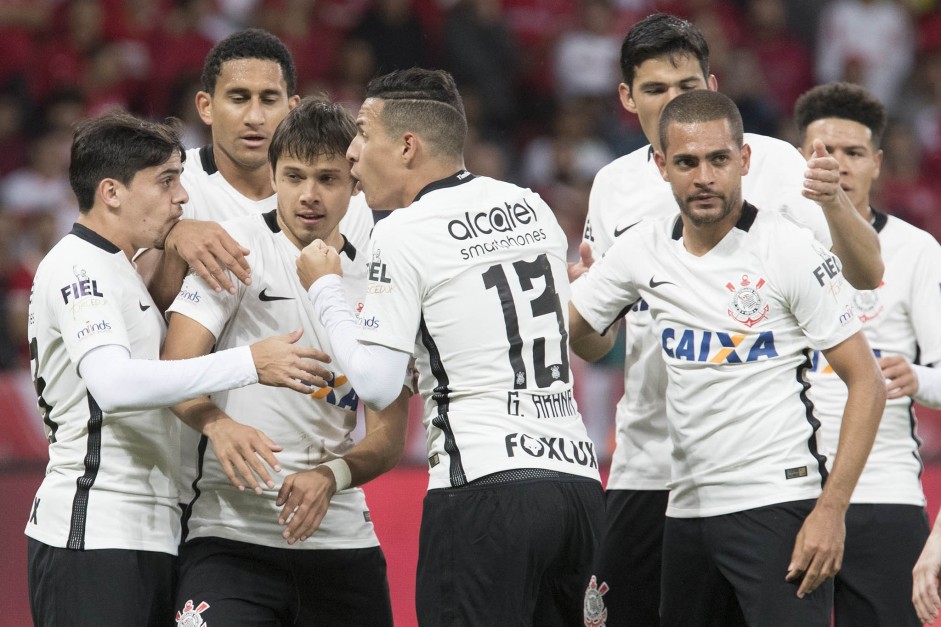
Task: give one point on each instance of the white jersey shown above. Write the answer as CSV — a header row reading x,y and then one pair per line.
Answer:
x,y
312,429
471,279
630,189
111,479
900,317
213,198
735,327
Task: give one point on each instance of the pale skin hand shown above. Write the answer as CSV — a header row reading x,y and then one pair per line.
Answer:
x,y
818,550
925,594
281,363
584,262
305,496
900,379
239,448
317,260
208,249
822,179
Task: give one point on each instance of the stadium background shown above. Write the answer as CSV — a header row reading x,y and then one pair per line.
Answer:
x,y
539,80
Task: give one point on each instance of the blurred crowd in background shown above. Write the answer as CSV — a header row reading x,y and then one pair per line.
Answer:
x,y
539,80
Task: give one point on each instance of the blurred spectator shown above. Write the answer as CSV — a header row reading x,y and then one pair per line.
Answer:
x,y
786,65
481,54
868,42
77,30
586,57
42,186
904,188
22,24
313,42
395,34
12,138
356,66
922,106
15,283
178,47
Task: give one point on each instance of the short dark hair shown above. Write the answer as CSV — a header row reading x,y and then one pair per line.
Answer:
x,y
314,128
118,146
423,100
841,100
252,43
701,105
658,35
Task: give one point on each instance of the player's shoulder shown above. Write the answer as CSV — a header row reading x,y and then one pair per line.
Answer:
x,y
905,233
626,165
769,146
254,227
200,163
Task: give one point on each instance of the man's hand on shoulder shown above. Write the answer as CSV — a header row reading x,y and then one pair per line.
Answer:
x,y
209,250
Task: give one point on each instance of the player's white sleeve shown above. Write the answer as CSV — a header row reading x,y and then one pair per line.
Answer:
x,y
929,385
374,370
607,291
119,383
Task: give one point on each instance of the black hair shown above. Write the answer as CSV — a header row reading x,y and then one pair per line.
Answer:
x,y
252,43
701,105
314,128
841,100
658,35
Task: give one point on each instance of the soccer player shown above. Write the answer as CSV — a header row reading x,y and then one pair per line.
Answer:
x,y
338,576
738,297
468,274
663,56
249,82
886,524
104,526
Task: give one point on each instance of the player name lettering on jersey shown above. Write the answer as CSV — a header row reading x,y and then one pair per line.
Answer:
x,y
717,346
581,452
84,287
541,406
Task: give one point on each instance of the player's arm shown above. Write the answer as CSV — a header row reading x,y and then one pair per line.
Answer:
x,y
305,496
855,242
240,449
203,246
585,341
925,577
375,371
818,550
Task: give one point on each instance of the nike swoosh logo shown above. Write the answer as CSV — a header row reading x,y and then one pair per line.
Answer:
x,y
265,298
654,284
143,307
618,232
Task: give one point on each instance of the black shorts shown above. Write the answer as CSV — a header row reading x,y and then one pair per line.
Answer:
x,y
729,570
235,584
626,588
517,553
70,588
874,586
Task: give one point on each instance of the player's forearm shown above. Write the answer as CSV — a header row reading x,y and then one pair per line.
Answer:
x,y
374,371
929,385
865,405
856,243
163,273
381,448
198,413
585,341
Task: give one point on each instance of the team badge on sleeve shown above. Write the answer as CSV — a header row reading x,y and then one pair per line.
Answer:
x,y
190,616
747,305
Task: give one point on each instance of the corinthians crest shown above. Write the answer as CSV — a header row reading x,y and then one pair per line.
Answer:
x,y
867,304
746,305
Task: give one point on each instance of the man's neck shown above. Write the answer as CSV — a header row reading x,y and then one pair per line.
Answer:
x,y
254,184
699,240
427,175
95,221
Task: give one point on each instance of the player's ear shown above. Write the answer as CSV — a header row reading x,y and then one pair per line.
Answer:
x,y
661,162
409,146
274,183
293,101
204,107
108,191
746,158
624,93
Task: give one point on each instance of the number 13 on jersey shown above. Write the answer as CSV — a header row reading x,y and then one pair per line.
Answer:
x,y
524,320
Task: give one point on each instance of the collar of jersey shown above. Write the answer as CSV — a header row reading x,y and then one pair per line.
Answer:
x,y
83,232
878,220
749,213
271,219
458,178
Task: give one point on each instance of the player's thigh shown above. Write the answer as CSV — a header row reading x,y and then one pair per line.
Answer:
x,y
71,588
627,564
561,597
874,585
694,592
232,583
483,552
342,587
753,549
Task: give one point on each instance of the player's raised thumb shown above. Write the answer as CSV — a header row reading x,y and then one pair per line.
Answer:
x,y
820,150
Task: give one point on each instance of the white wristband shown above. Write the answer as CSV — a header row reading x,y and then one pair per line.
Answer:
x,y
341,472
